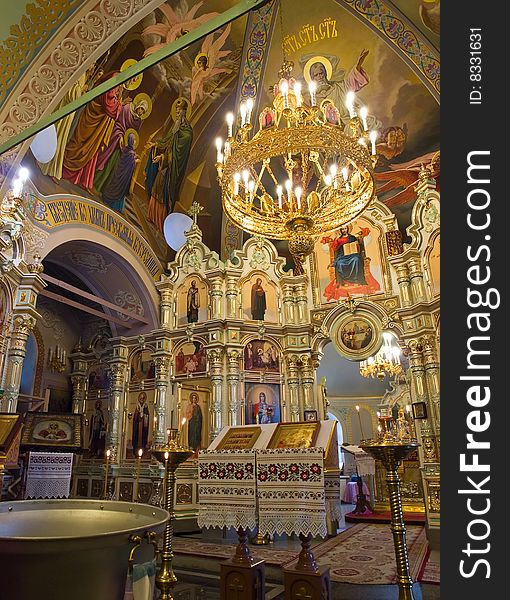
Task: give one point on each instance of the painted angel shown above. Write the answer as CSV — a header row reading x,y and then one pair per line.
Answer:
x,y
404,178
178,22
205,61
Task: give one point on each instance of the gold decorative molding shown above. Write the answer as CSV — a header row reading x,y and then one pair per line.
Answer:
x,y
28,36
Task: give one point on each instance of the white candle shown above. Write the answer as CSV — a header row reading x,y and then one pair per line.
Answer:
x,y
219,144
288,187
284,88
242,110
226,150
363,113
230,122
279,194
349,103
312,88
17,188
23,174
345,173
333,171
328,180
237,178
251,189
246,177
249,108
373,137
298,191
297,91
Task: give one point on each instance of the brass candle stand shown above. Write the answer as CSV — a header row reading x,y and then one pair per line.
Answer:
x,y
391,452
171,455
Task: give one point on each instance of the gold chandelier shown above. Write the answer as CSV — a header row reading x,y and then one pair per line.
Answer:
x,y
303,173
385,362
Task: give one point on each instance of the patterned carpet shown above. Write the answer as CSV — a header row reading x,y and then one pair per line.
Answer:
x,y
207,549
364,554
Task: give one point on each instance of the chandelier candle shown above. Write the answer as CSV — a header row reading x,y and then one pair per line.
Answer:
x,y
349,103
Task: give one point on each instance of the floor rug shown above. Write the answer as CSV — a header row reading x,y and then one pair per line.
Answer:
x,y
364,554
431,571
272,556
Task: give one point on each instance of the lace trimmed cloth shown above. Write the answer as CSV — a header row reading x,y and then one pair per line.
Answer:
x,y
49,475
290,489
227,489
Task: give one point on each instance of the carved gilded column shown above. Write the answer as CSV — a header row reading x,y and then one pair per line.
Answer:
x,y
431,365
165,289
118,368
301,300
162,380
416,279
423,372
293,386
232,297
404,284
233,372
215,358
307,383
22,326
79,381
288,300
216,297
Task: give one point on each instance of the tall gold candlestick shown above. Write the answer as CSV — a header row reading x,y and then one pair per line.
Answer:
x,y
171,455
137,481
391,454
105,488
360,425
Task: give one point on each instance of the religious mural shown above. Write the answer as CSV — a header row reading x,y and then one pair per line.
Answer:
x,y
262,403
131,147
190,359
260,355
195,408
140,423
142,367
98,378
192,301
259,299
98,425
349,262
339,53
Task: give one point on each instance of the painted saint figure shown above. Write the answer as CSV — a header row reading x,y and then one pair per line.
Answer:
x,y
91,136
97,430
166,165
119,184
264,412
140,423
258,300
193,302
320,70
349,264
195,418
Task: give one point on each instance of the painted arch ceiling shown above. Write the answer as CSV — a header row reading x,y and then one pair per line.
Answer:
x,y
109,152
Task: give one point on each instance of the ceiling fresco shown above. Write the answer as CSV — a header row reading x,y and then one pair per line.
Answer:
x,y
147,149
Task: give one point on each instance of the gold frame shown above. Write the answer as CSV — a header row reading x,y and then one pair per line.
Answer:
x,y
255,431
286,428
75,421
